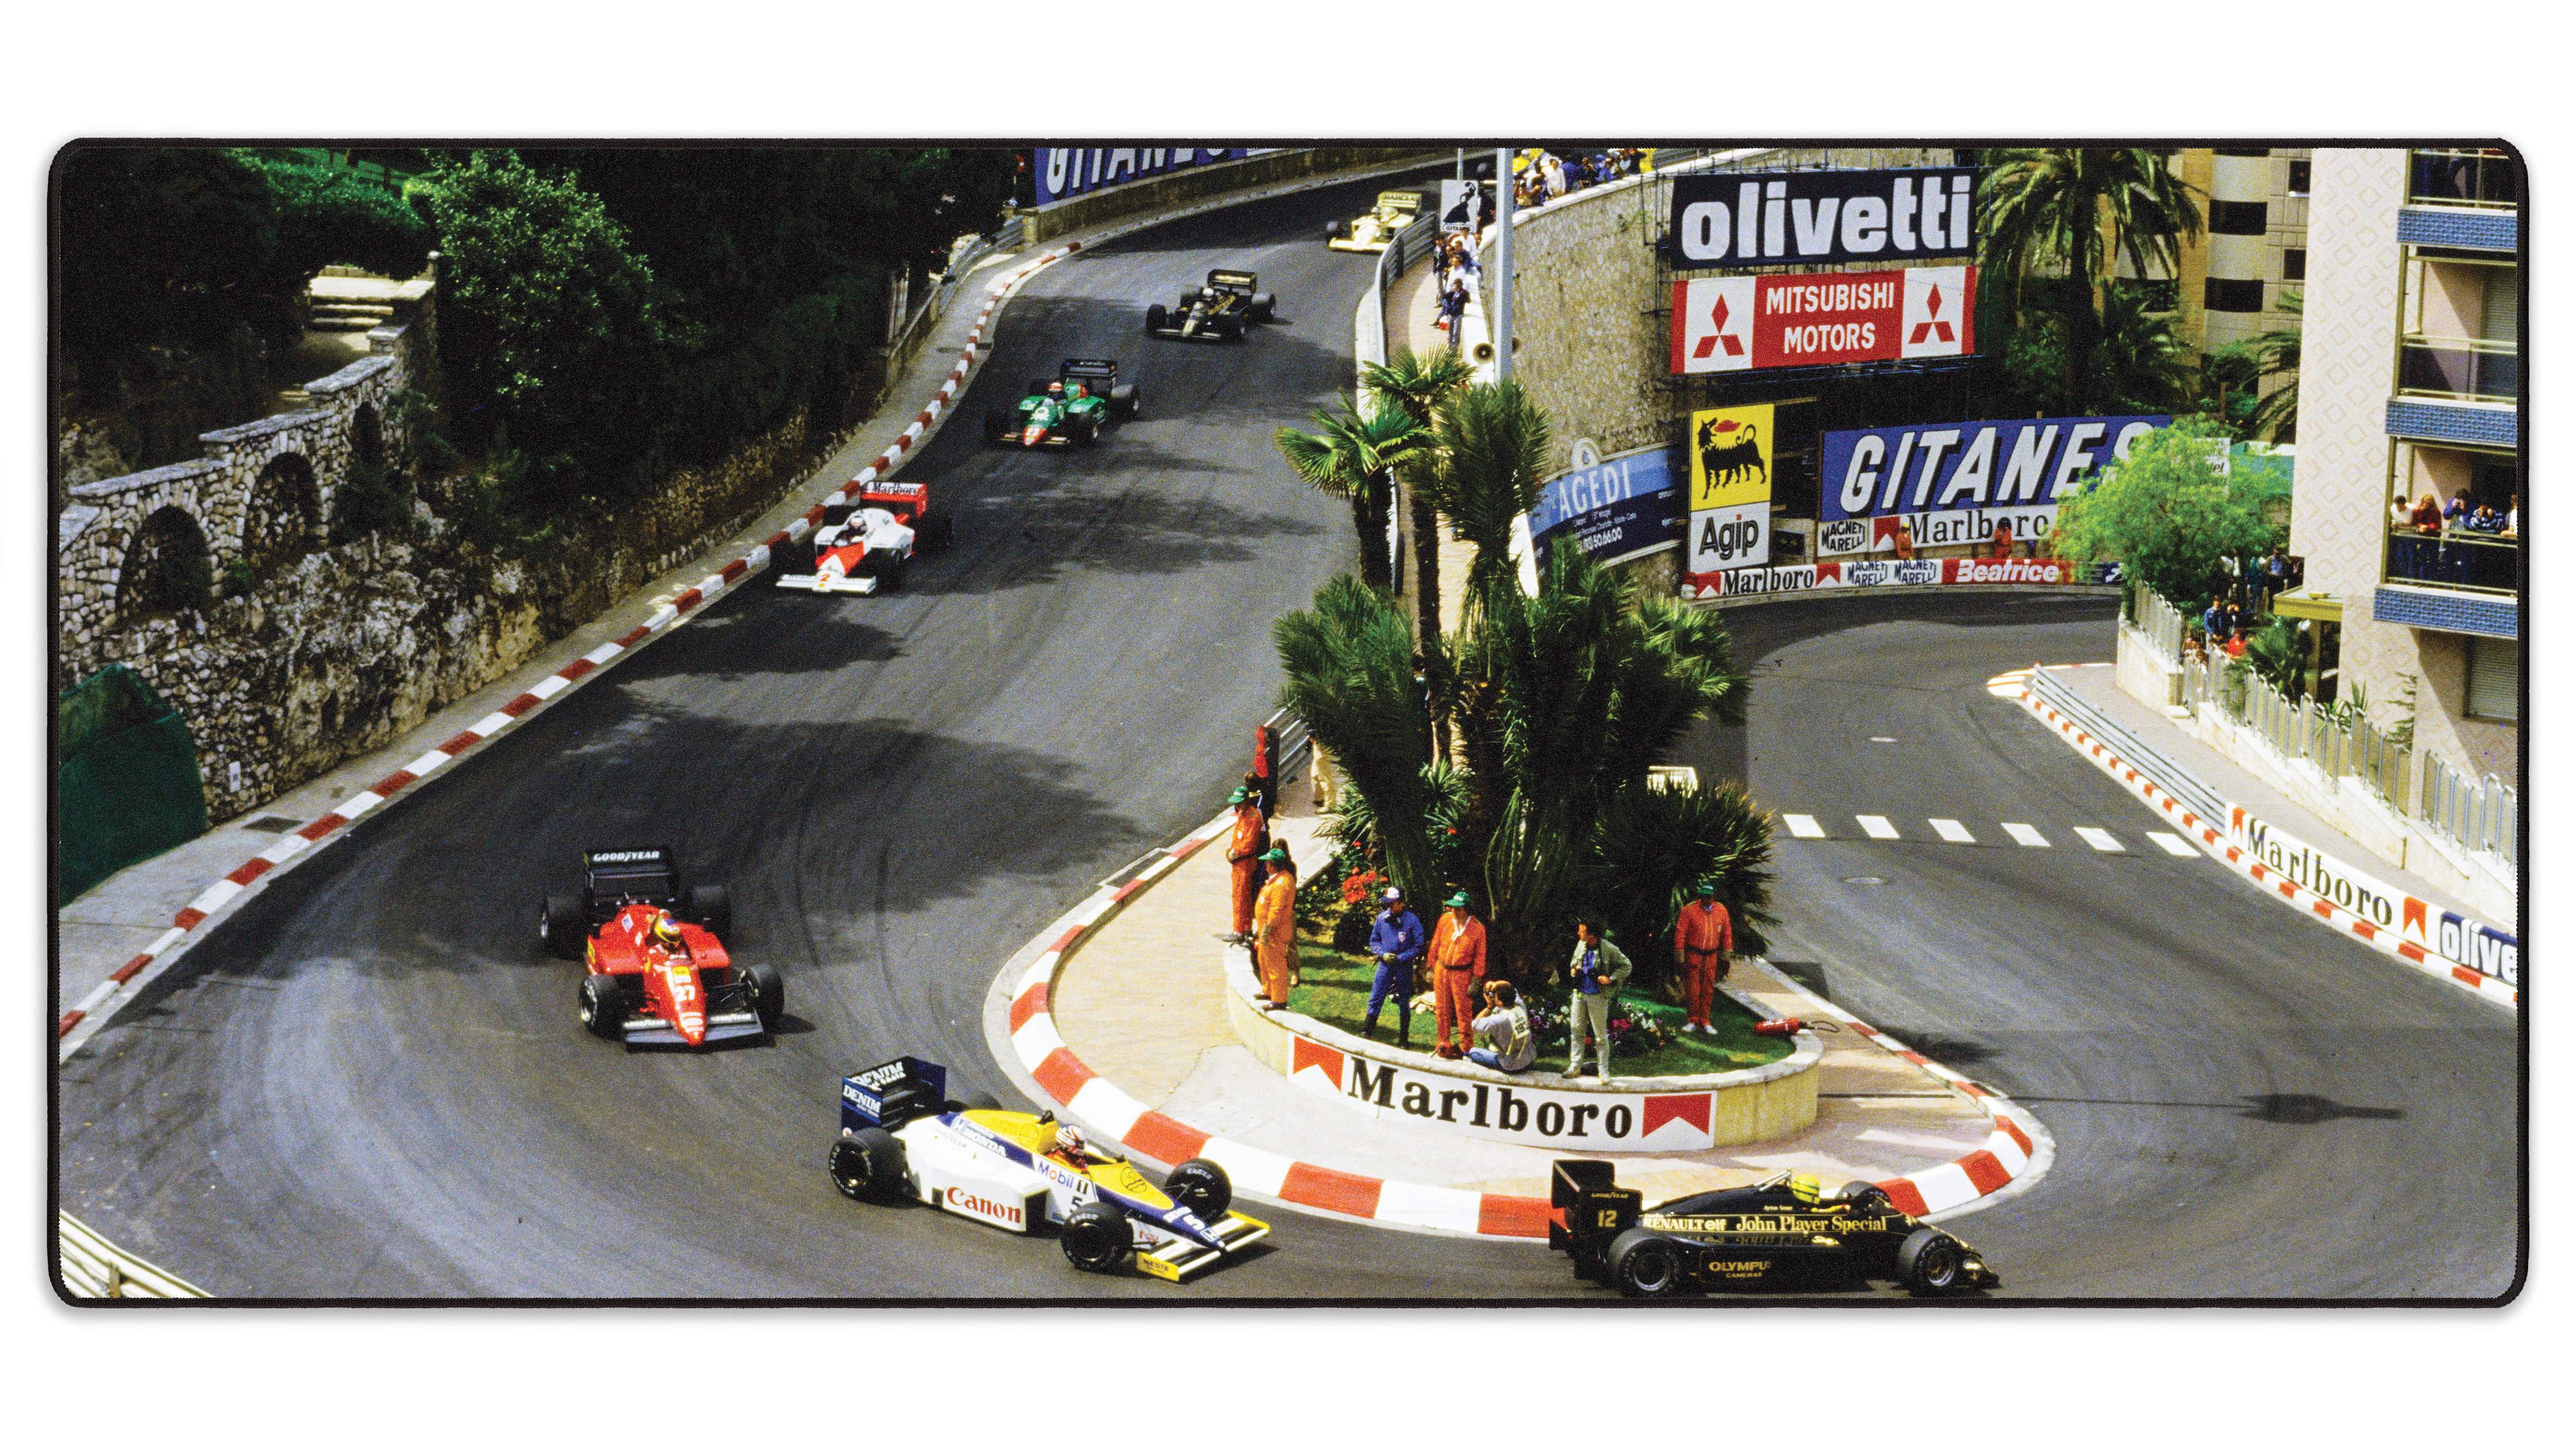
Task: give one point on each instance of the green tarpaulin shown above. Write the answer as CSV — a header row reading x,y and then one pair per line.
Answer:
x,y
126,786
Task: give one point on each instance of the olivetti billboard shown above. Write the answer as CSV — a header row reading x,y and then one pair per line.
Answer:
x,y
1777,218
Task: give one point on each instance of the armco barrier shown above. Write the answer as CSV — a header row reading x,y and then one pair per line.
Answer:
x,y
92,1009
1020,1022
93,1267
2210,832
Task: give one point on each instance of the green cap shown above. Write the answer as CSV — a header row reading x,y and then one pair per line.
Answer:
x,y
1459,899
1708,888
1278,853
1239,796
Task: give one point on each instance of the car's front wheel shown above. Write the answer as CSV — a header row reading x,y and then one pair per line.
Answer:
x,y
867,1164
768,994
603,1007
1157,318
1644,1264
1864,1196
1097,1238
1929,1263
1202,1187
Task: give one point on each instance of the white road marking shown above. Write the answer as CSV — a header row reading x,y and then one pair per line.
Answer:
x,y
1804,827
2024,835
2173,844
2102,840
1954,832
1877,827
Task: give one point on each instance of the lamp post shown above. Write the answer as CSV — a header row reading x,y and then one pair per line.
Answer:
x,y
1502,317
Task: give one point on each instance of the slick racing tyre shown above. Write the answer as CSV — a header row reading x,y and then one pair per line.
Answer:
x,y
1124,401
1263,304
768,994
1156,318
603,1008
709,906
1230,329
1864,1196
1336,230
1644,1264
890,573
934,533
867,1165
998,426
1202,1187
561,926
1097,1238
1087,431
1929,1263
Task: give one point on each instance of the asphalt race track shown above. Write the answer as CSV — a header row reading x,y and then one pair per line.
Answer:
x,y
2244,1103
370,1082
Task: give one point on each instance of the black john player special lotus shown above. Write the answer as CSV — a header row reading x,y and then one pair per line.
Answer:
x,y
1778,1233
1216,312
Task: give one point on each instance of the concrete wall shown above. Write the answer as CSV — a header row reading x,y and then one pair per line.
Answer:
x,y
1199,182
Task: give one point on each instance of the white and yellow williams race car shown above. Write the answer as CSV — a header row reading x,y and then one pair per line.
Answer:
x,y
1394,212
902,1137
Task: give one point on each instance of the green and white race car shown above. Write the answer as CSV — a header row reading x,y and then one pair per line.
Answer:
x,y
1068,409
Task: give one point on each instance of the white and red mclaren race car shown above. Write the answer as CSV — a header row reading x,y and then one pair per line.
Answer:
x,y
864,546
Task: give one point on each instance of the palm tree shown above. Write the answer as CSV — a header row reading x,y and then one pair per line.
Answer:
x,y
2138,365
1493,447
1422,386
2276,354
2074,209
1352,458
1349,662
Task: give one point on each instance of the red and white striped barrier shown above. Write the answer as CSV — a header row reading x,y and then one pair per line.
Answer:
x,y
2211,836
2018,1150
687,602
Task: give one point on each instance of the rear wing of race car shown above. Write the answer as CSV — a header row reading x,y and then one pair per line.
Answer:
x,y
1239,283
1586,1207
642,873
1089,369
903,500
1403,202
893,1093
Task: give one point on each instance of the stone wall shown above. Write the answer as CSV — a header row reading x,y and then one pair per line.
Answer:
x,y
1199,182
331,651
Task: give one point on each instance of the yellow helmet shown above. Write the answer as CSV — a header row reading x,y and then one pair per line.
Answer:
x,y
666,931
1803,1187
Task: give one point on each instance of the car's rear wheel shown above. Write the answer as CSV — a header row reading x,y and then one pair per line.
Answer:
x,y
603,1007
1202,1187
709,906
1263,306
1644,1264
1156,318
1929,1263
1124,401
867,1165
768,994
561,925
1097,1238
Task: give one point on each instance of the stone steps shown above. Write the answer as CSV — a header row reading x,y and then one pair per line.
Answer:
x,y
350,316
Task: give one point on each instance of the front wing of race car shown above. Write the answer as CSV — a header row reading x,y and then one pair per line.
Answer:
x,y
830,582
1177,1259
649,1030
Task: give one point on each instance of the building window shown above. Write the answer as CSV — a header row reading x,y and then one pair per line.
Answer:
x,y
2238,218
2225,294
2294,264
2299,178
2250,152
2495,679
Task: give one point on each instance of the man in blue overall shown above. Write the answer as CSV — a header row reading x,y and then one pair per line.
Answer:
x,y
1396,939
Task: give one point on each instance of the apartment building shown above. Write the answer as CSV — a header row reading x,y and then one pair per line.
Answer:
x,y
2411,387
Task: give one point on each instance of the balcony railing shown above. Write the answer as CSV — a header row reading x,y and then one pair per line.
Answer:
x,y
2463,178
2482,563
2459,367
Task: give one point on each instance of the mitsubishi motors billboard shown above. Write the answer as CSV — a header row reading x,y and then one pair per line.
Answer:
x,y
1738,324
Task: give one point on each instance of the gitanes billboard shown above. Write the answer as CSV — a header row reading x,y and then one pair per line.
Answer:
x,y
1953,467
1062,173
1771,218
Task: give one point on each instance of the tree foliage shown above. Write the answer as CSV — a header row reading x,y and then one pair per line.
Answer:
x,y
2169,516
2053,221
1352,457
1422,384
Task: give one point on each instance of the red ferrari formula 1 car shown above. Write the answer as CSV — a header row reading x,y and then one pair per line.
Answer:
x,y
864,546
659,973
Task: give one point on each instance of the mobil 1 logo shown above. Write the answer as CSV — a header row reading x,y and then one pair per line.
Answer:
x,y
1730,538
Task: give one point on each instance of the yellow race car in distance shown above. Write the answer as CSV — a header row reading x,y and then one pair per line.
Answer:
x,y
1371,233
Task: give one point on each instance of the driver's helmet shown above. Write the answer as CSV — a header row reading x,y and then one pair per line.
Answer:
x,y
1068,1141
1055,389
1803,1187
1207,294
666,933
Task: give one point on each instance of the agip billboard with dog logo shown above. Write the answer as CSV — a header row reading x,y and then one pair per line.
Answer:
x,y
1731,451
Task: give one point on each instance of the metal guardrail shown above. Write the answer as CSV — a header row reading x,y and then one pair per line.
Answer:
x,y
2168,775
934,304
2161,622
93,1267
2485,816
1295,746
